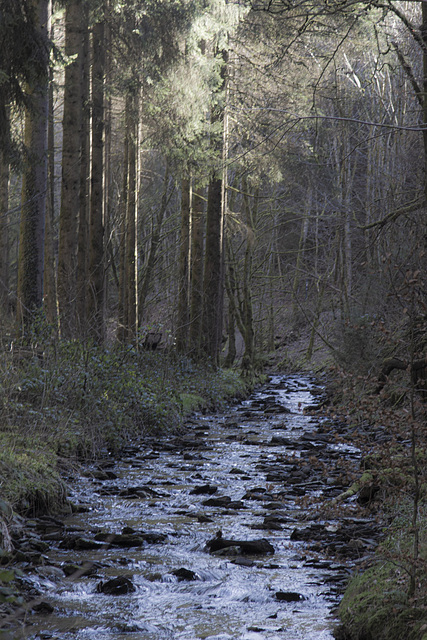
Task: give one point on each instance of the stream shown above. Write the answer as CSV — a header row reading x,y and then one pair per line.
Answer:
x,y
133,562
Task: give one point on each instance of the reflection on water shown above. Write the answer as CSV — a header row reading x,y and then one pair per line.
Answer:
x,y
230,597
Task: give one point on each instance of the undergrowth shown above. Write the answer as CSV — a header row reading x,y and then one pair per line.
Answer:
x,y
71,400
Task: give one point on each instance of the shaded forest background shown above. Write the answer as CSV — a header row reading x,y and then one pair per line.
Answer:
x,y
222,174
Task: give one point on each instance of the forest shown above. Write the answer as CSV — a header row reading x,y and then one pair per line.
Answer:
x,y
194,192
220,174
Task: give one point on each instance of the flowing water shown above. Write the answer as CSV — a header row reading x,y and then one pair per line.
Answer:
x,y
161,488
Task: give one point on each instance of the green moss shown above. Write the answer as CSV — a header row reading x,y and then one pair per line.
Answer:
x,y
29,479
376,606
191,402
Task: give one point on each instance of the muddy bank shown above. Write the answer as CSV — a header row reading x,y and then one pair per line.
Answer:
x,y
229,530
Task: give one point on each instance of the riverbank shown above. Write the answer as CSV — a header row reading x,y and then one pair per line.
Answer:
x,y
386,598
74,403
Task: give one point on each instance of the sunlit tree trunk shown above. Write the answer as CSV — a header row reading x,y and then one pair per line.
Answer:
x,y
131,221
123,297
183,315
95,297
34,183
70,183
84,191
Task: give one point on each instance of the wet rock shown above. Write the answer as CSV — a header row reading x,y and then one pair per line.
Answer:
x,y
276,409
101,474
51,573
152,537
221,501
205,489
184,574
314,436
79,543
128,540
139,492
43,607
79,570
243,562
281,441
257,494
236,504
245,547
116,586
272,506
289,596
120,540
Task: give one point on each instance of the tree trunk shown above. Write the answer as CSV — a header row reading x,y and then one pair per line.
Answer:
x,y
424,37
84,191
123,298
49,254
183,315
4,233
131,224
70,184
154,245
230,284
196,283
213,286
34,183
247,310
95,297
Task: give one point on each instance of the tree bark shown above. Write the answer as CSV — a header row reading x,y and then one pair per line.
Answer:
x,y
131,224
34,183
213,285
70,184
4,232
84,191
183,315
123,304
196,283
95,298
50,299
154,245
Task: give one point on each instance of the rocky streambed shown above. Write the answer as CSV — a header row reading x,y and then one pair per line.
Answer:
x,y
223,532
